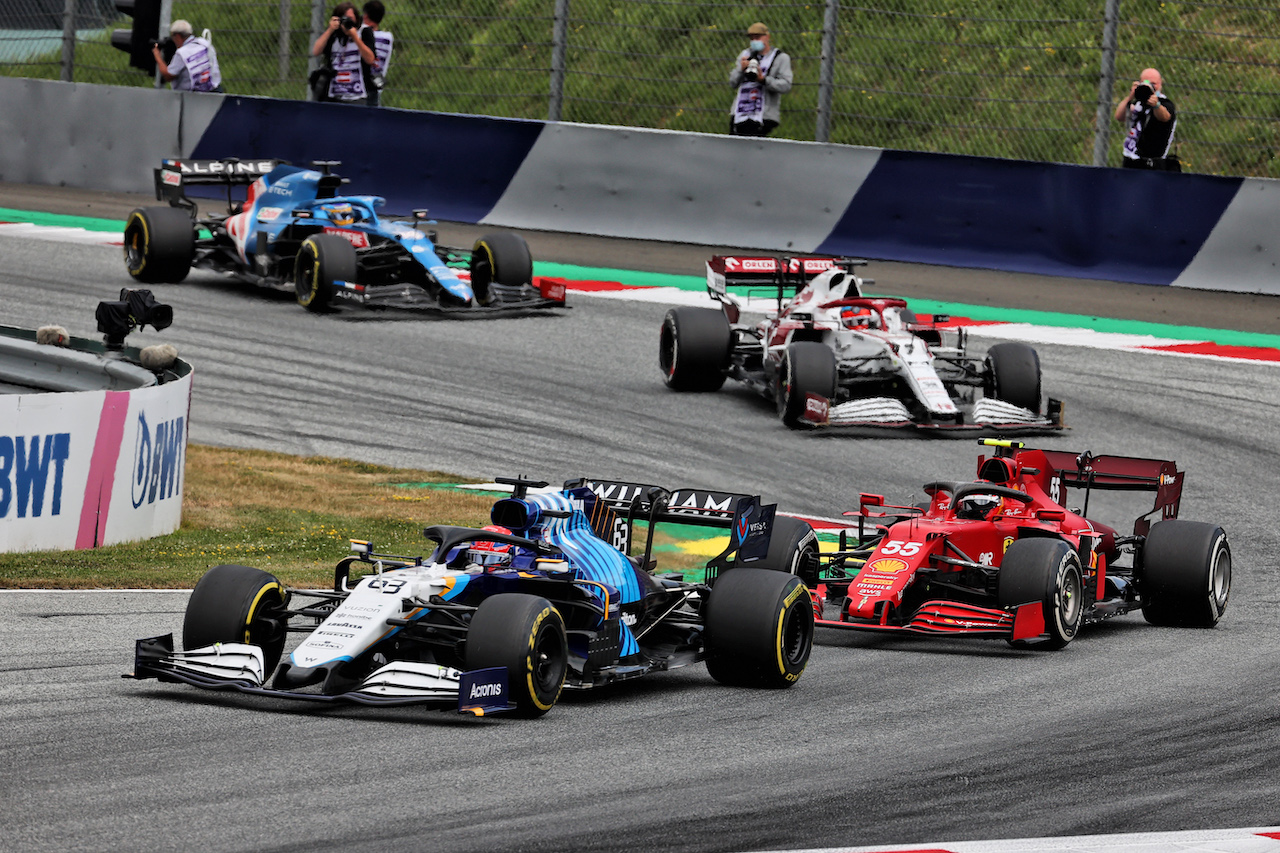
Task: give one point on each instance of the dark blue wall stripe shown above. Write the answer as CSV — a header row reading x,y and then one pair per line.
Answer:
x,y
458,166
1048,218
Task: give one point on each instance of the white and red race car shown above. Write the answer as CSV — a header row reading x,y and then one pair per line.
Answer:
x,y
832,357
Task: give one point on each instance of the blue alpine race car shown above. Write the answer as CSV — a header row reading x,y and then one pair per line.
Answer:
x,y
294,232
503,618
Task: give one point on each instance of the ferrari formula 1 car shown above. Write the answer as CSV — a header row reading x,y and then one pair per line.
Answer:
x,y
1004,557
294,233
502,618
831,357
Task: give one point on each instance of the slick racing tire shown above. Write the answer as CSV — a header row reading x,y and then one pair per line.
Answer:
x,y
499,258
1186,574
793,548
759,628
1012,374
1045,571
322,260
693,349
159,244
237,604
524,633
808,368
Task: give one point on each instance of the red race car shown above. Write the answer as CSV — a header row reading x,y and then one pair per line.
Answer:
x,y
1005,557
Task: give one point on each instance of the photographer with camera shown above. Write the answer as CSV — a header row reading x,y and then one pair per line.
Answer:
x,y
761,75
194,66
1151,118
348,49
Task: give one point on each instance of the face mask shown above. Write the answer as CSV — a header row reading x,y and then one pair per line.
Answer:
x,y
757,46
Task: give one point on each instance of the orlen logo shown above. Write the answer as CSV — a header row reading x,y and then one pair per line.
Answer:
x,y
816,409
750,265
811,264
888,567
483,691
356,238
157,461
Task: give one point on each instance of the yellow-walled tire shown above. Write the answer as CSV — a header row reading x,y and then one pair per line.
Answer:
x,y
759,628
159,244
237,604
525,634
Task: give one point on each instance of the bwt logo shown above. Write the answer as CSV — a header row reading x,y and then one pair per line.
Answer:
x,y
157,462
24,471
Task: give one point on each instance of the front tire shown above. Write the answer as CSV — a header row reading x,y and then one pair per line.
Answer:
x,y
693,349
237,604
159,244
1013,375
499,258
758,628
1186,574
808,368
1047,571
525,634
322,260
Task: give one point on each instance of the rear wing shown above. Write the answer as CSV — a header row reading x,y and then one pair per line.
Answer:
x,y
173,175
619,505
781,275
1121,474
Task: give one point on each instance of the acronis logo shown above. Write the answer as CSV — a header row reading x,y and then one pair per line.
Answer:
x,y
157,460
31,470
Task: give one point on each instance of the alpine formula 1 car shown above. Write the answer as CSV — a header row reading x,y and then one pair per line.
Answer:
x,y
294,233
502,618
831,357
1004,557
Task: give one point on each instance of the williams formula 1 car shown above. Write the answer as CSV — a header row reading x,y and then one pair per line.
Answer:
x,y
1005,557
293,232
502,618
831,357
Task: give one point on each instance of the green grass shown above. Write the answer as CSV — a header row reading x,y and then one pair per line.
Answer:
x,y
989,77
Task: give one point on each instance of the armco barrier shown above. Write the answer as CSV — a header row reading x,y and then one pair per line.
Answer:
x,y
777,195
79,469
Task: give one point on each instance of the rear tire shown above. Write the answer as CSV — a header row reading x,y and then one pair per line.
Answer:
x,y
1186,574
237,604
1013,375
1047,571
808,368
525,634
502,258
758,628
159,244
693,349
322,260
793,548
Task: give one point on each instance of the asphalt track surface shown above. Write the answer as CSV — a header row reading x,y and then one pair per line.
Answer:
x,y
883,741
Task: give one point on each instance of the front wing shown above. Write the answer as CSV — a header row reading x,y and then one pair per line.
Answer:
x,y
952,618
987,416
239,667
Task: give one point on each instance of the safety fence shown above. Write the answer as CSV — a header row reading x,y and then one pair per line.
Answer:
x,y
1007,78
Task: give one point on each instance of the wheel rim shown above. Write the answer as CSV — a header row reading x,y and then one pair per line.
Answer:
x,y
667,350
135,245
1220,577
796,631
1070,600
548,660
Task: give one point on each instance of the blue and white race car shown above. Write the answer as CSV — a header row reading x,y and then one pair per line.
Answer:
x,y
503,618
294,232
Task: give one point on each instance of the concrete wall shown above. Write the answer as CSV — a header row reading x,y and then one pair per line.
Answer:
x,y
778,195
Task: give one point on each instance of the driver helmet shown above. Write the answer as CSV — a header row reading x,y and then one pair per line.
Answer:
x,y
491,554
852,318
340,214
978,507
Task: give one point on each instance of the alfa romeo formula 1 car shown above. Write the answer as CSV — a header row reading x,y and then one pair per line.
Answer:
x,y
293,232
502,618
831,357
1005,557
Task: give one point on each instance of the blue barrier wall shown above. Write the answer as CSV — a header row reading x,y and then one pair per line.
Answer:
x,y
1047,218
456,165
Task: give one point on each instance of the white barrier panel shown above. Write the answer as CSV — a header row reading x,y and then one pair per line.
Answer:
x,y
90,468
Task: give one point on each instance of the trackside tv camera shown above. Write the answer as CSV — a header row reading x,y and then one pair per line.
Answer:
x,y
134,309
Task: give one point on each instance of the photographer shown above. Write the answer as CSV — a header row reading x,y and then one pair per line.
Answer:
x,y
1151,118
194,67
762,74
348,49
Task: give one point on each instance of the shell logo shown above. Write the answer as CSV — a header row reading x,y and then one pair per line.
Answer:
x,y
888,567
